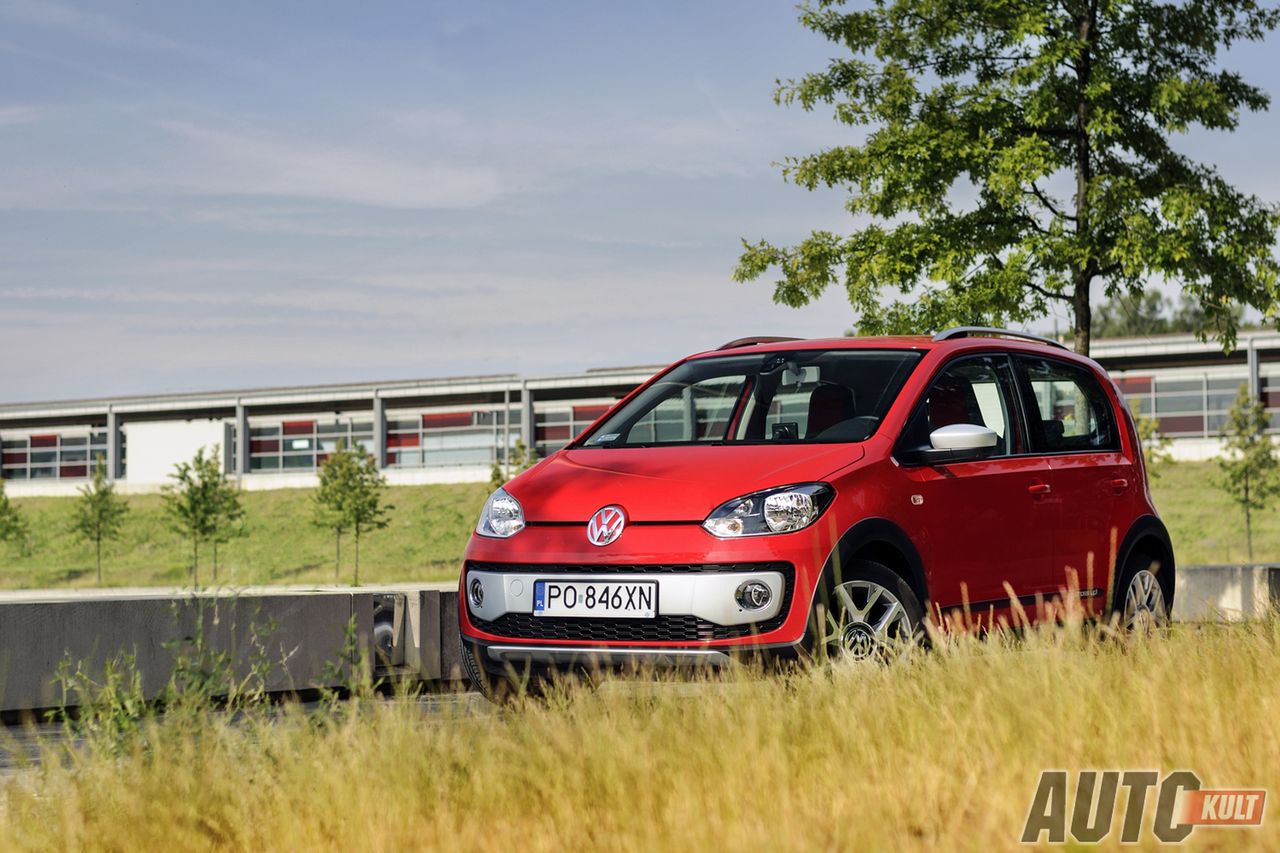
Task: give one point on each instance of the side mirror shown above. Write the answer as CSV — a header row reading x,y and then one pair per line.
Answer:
x,y
955,443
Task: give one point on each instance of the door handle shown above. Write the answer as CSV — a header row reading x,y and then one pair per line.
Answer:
x,y
1039,488
1119,484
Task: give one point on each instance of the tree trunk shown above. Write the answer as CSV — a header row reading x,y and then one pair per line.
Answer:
x,y
195,560
356,579
1248,522
337,554
98,544
215,562
1083,327
1083,275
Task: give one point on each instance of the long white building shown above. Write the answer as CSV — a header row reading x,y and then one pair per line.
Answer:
x,y
453,430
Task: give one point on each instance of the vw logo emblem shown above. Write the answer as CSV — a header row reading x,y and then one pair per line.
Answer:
x,y
606,525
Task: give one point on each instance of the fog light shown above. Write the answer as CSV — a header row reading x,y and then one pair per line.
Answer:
x,y
476,591
754,595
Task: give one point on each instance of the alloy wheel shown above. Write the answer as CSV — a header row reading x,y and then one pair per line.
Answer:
x,y
871,622
1144,605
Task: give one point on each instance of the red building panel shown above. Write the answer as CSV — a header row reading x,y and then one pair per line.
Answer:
x,y
298,427
447,419
44,441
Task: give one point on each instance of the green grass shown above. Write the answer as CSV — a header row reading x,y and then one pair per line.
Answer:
x,y
941,752
1206,527
424,541
429,530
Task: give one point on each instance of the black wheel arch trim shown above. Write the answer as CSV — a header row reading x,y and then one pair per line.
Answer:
x,y
877,531
1147,526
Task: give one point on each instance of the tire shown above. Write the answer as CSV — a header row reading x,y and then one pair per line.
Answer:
x,y
866,612
1144,595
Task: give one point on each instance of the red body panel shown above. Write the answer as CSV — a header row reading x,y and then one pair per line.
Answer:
x,y
1019,521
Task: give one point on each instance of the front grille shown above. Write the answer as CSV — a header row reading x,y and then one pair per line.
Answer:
x,y
668,628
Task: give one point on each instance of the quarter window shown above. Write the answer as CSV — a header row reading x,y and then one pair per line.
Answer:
x,y
1068,410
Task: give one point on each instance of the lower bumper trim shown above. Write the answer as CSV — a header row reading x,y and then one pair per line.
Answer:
x,y
608,656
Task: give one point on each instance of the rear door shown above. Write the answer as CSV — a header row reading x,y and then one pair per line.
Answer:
x,y
1071,420
986,523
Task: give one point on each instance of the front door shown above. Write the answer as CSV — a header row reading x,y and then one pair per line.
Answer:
x,y
986,525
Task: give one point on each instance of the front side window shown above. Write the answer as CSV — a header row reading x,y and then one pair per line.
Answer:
x,y
805,397
974,390
1068,409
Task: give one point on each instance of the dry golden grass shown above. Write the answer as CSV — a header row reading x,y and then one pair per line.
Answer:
x,y
940,752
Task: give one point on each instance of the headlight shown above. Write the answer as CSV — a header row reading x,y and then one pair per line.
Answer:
x,y
502,516
779,510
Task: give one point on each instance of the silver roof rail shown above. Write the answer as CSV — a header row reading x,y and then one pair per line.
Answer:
x,y
987,331
751,342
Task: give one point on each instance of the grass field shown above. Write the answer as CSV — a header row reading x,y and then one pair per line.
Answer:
x,y
424,541
940,752
429,529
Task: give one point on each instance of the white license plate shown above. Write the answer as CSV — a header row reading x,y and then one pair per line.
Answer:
x,y
609,599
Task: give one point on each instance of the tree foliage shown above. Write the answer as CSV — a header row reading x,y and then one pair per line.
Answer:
x,y
203,504
13,524
350,499
99,513
1250,468
1018,153
1155,445
520,459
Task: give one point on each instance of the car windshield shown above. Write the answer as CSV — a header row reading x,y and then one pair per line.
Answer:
x,y
799,397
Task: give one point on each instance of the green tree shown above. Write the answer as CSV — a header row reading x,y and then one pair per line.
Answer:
x,y
1191,316
203,503
1132,315
228,514
13,524
350,498
99,513
1249,464
520,459
1155,445
1017,155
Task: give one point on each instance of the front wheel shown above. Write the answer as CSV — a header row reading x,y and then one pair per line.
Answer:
x,y
867,613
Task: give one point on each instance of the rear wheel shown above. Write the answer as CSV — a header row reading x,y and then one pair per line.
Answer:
x,y
869,613
1142,596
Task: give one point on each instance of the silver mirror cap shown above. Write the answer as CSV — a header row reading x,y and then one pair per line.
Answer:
x,y
963,437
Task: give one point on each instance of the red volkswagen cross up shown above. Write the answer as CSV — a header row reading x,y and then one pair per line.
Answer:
x,y
781,495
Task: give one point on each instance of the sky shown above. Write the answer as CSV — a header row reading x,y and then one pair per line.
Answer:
x,y
244,194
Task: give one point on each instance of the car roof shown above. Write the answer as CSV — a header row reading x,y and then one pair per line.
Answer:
x,y
922,343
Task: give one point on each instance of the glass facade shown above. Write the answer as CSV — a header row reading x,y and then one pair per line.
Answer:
x,y
556,425
301,445
68,455
1188,404
441,439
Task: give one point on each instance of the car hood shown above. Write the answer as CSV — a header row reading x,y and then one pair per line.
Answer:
x,y
667,483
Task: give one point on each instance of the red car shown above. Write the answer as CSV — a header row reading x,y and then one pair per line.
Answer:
x,y
784,495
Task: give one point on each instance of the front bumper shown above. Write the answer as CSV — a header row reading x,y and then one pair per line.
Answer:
x,y
697,575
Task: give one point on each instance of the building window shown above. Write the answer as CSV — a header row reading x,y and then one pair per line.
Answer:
x,y
303,445
556,427
446,439
52,455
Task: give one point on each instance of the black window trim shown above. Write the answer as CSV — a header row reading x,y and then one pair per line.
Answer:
x,y
1018,412
1027,394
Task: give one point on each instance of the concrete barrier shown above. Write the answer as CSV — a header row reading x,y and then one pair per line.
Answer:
x,y
300,637
1212,593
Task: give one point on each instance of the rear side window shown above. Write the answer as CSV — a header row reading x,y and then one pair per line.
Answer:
x,y
1067,409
